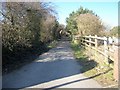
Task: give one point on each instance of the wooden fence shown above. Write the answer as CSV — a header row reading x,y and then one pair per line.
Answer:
x,y
102,45
107,46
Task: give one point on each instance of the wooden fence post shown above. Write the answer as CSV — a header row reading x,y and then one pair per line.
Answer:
x,y
106,49
82,41
89,43
116,69
96,46
85,42
113,41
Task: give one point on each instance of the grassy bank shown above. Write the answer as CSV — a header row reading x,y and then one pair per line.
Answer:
x,y
95,69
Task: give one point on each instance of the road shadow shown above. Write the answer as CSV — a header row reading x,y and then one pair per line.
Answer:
x,y
41,72
87,64
56,64
91,77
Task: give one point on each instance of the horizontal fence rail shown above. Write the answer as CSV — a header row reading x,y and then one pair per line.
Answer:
x,y
106,46
102,45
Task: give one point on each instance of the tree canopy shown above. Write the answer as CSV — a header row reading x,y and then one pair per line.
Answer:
x,y
89,24
26,26
115,31
84,22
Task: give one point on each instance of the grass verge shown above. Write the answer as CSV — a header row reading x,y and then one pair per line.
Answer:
x,y
95,69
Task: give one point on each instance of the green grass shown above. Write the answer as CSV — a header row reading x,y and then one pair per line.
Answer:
x,y
79,54
78,50
97,69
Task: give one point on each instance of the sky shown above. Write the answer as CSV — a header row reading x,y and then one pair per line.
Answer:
x,y
107,11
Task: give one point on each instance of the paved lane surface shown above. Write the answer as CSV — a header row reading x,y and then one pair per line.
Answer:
x,y
54,69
